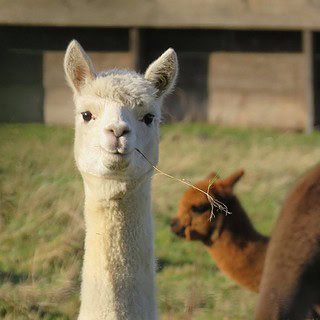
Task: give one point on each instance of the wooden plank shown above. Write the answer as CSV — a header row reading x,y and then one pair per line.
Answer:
x,y
135,44
265,14
57,38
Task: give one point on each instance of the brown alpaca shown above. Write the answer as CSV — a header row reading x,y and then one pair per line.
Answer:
x,y
290,285
237,248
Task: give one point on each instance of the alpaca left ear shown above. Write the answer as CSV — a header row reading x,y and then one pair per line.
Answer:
x,y
163,72
78,67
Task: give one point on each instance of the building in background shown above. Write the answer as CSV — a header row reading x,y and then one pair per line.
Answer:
x,y
248,63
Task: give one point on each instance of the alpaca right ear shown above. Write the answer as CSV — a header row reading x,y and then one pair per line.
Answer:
x,y
212,175
230,181
163,72
78,67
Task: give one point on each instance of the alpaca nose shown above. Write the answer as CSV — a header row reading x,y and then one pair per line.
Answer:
x,y
173,222
118,129
178,229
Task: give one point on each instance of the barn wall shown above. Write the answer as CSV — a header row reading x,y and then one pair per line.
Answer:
x,y
229,77
257,90
268,14
21,88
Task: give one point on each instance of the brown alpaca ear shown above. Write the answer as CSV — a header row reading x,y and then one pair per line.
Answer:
x,y
212,175
230,181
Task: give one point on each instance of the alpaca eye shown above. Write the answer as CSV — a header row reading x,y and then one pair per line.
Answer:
x,y
87,115
202,208
148,118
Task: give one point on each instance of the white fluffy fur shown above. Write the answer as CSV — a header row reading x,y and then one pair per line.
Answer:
x,y
118,268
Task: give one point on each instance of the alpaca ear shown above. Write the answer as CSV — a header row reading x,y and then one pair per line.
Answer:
x,y
233,179
78,67
163,72
212,175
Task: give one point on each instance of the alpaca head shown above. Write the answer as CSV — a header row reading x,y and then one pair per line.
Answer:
x,y
116,112
194,221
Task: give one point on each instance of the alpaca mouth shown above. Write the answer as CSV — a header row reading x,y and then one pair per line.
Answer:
x,y
177,229
116,160
117,153
117,156
180,232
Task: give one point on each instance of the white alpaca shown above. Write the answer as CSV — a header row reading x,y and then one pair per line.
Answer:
x,y
116,112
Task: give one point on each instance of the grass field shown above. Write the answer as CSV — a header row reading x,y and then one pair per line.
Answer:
x,y
41,226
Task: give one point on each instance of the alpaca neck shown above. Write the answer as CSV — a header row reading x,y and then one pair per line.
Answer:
x,y
240,250
118,268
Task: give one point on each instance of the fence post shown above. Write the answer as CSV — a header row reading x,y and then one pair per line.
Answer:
x,y
309,83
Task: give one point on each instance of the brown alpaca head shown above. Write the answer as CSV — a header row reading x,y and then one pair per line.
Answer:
x,y
193,220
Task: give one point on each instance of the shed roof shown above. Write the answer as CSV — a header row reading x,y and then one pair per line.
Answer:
x,y
240,14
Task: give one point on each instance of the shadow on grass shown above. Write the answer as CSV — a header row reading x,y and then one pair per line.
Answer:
x,y
162,263
43,313
37,313
14,278
35,310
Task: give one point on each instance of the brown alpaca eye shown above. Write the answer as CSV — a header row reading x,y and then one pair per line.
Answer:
x,y
202,208
148,118
87,116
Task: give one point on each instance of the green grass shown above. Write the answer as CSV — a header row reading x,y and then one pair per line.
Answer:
x,y
41,224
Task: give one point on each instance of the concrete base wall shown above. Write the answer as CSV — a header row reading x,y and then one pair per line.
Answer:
x,y
257,90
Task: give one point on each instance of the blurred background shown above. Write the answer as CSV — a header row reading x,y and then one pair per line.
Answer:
x,y
247,97
247,63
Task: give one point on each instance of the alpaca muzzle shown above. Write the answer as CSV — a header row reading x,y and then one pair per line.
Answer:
x,y
177,229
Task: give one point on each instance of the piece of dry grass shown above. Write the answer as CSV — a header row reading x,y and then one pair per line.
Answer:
x,y
213,202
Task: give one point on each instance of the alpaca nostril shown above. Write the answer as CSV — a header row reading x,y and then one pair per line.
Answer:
x,y
173,223
126,131
177,228
118,130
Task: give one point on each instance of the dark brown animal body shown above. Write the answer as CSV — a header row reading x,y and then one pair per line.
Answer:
x,y
290,285
237,248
